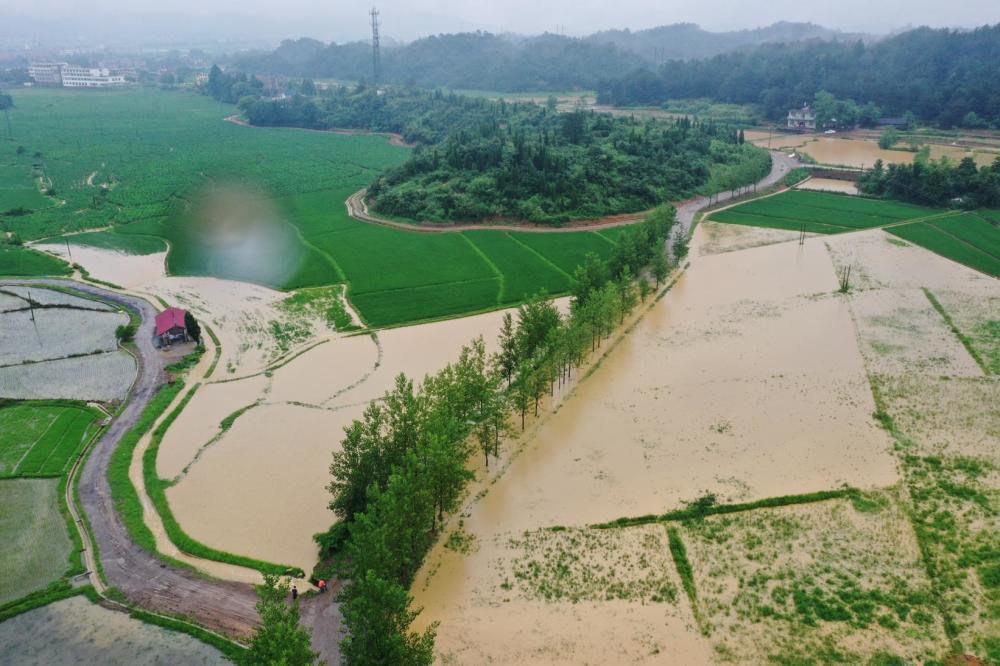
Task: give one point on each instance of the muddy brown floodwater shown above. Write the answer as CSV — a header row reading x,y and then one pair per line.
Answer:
x,y
259,489
829,185
745,381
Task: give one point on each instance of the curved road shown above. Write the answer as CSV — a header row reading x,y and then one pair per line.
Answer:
x,y
145,580
357,208
148,582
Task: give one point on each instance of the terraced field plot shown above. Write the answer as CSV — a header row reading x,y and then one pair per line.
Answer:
x,y
43,438
972,239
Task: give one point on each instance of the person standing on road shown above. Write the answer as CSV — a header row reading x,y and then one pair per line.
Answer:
x,y
295,593
322,586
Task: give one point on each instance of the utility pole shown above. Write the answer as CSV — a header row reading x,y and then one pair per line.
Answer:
x,y
376,51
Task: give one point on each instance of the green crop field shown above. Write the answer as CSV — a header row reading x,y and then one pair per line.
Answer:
x,y
151,163
953,238
21,261
524,272
972,239
43,438
820,212
34,543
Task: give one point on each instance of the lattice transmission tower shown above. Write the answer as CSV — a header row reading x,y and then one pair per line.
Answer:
x,y
376,49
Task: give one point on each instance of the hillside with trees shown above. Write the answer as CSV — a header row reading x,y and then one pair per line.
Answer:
x,y
936,182
515,63
943,76
688,41
481,159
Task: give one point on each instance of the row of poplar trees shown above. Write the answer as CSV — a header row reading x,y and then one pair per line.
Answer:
x,y
404,466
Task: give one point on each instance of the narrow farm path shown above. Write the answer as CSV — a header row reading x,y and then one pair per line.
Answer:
x,y
142,578
781,164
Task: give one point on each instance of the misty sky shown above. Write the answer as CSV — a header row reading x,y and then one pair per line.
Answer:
x,y
343,20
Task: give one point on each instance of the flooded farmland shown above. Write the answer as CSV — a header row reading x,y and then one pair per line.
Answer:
x,y
745,381
272,463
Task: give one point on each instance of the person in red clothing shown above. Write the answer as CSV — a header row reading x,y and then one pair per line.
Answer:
x,y
322,586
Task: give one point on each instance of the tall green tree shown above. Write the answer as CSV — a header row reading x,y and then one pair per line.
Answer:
x,y
279,640
378,615
192,327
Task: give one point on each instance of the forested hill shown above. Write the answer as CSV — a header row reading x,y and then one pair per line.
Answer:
x,y
479,60
940,75
686,41
513,63
482,159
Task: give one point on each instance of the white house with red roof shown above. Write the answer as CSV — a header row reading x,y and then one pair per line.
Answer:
x,y
170,326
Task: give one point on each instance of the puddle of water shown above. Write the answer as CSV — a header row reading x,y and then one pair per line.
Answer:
x,y
829,185
745,380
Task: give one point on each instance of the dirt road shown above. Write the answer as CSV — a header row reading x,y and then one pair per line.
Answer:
x,y
145,580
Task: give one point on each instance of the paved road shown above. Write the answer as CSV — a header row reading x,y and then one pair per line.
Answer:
x,y
781,164
146,581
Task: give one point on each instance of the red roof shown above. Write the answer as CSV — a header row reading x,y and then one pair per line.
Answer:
x,y
168,319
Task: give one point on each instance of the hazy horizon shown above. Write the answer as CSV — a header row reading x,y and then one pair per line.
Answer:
x,y
256,23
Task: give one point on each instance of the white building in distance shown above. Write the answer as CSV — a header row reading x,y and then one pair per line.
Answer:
x,y
47,73
74,76
90,77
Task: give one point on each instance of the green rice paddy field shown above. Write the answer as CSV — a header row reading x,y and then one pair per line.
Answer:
x,y
43,438
972,239
142,160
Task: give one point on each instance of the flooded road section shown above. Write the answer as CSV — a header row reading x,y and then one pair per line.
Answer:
x,y
745,381
259,487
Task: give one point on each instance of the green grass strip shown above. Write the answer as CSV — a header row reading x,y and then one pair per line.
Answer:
x,y
156,489
966,342
679,554
218,350
123,493
55,592
698,512
232,651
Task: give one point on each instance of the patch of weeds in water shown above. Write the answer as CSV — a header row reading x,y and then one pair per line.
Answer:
x,y
460,540
868,502
577,565
722,427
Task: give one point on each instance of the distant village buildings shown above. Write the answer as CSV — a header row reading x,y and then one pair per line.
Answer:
x,y
802,120
73,76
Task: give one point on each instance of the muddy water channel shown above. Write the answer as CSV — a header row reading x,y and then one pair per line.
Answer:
x,y
745,381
